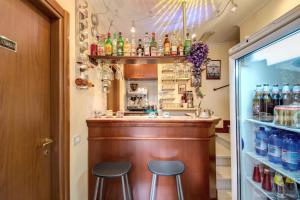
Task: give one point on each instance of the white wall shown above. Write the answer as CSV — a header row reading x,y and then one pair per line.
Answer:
x,y
271,11
82,105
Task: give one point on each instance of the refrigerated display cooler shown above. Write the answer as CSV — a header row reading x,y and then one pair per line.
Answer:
x,y
268,58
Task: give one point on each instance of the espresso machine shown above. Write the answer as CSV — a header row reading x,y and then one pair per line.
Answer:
x,y
137,98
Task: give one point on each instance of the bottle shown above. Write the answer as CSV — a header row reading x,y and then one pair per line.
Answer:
x,y
167,46
279,186
257,102
296,94
276,97
160,48
114,44
133,47
266,184
126,47
290,189
147,45
101,46
173,45
140,49
180,48
261,142
275,146
268,104
286,94
153,46
290,152
108,46
120,45
187,45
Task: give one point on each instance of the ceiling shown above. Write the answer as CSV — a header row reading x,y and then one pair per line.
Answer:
x,y
211,20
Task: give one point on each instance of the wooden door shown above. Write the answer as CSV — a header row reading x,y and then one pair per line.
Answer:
x,y
25,171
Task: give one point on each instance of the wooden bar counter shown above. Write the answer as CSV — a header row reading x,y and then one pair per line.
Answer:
x,y
139,139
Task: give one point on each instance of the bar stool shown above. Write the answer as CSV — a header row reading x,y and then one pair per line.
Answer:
x,y
112,170
166,168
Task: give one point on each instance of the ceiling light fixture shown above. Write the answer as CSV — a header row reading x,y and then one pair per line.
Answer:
x,y
132,30
194,35
234,6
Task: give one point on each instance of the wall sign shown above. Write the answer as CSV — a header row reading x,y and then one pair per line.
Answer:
x,y
8,44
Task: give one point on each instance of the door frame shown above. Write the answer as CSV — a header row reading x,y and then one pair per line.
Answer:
x,y
60,97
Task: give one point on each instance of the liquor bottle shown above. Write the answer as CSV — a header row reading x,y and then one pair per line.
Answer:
x,y
276,97
120,45
268,104
126,47
114,44
257,102
101,46
296,94
160,48
187,45
153,46
146,45
286,95
173,45
133,47
108,46
180,48
140,49
167,46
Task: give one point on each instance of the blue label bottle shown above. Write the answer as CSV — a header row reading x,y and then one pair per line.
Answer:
x,y
261,142
291,152
275,146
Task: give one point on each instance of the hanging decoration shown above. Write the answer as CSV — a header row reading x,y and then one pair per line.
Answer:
x,y
198,57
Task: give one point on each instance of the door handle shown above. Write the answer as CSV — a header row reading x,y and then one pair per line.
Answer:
x,y
47,141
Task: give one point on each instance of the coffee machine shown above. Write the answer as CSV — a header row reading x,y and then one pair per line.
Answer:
x,y
137,98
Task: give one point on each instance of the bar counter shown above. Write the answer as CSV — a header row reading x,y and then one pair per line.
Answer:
x,y
139,139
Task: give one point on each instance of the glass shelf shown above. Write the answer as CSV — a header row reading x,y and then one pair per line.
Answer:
x,y
270,195
271,124
294,175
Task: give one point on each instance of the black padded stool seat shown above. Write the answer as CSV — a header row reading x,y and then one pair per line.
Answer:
x,y
166,168
112,170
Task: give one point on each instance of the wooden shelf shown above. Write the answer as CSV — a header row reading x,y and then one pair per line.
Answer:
x,y
137,59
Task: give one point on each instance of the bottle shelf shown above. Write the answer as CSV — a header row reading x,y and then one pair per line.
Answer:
x,y
294,175
271,124
257,186
137,59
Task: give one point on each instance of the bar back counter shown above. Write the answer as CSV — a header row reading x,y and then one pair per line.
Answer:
x,y
140,139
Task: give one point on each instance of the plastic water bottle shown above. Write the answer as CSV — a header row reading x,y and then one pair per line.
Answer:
x,y
291,152
261,142
275,146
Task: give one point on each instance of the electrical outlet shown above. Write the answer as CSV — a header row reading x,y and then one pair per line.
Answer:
x,y
76,140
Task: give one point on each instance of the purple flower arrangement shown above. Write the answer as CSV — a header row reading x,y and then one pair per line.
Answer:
x,y
198,57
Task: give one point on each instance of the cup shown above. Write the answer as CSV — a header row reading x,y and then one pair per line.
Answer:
x,y
256,176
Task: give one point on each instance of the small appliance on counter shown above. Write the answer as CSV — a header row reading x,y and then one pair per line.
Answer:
x,y
137,98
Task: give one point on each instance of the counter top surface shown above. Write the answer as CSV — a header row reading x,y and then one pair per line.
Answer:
x,y
157,119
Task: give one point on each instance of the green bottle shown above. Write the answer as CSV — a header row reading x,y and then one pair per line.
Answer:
x,y
120,45
187,45
114,43
108,46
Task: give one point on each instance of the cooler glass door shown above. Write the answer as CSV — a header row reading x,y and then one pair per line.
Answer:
x,y
277,63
